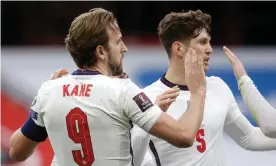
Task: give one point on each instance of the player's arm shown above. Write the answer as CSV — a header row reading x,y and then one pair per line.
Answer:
x,y
139,138
245,134
241,130
21,147
261,110
181,132
24,141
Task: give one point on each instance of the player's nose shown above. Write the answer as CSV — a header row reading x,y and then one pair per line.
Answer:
x,y
124,48
209,50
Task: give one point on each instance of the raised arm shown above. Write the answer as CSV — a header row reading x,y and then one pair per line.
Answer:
x,y
181,132
260,109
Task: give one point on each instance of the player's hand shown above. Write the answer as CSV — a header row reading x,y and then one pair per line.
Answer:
x,y
59,73
237,65
167,98
123,76
194,73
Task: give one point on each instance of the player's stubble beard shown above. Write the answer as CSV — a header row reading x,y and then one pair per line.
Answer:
x,y
115,68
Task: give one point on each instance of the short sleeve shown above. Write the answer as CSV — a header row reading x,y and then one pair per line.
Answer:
x,y
34,128
35,109
138,107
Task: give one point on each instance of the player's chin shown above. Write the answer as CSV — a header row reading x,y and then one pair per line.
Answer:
x,y
206,67
119,71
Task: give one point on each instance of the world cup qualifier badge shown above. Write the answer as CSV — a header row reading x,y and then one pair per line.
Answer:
x,y
143,101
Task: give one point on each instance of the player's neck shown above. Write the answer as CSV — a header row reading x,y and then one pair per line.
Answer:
x,y
176,74
100,68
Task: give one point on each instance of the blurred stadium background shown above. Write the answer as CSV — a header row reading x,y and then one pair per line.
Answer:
x,y
32,35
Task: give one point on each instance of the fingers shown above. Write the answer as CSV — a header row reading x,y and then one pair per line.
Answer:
x,y
194,71
194,59
194,62
237,65
59,73
188,61
168,97
198,62
201,65
172,90
166,102
63,72
170,93
230,55
123,76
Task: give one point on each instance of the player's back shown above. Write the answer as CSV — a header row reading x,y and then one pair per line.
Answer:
x,y
84,123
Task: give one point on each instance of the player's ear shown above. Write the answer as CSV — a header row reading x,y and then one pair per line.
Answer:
x,y
178,49
101,53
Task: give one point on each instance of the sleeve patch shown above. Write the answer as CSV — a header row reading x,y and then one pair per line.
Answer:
x,y
33,115
143,101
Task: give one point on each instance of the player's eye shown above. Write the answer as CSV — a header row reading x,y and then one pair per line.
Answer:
x,y
203,41
119,41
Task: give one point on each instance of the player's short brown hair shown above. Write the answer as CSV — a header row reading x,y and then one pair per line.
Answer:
x,y
182,26
86,32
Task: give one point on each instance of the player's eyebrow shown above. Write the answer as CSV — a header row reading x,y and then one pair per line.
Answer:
x,y
119,39
205,38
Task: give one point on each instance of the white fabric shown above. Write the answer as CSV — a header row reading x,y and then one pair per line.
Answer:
x,y
260,109
109,108
221,113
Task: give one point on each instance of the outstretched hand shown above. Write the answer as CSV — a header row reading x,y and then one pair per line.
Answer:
x,y
237,65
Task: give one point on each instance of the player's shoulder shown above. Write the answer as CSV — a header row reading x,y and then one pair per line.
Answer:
x,y
216,82
155,86
120,86
48,85
121,83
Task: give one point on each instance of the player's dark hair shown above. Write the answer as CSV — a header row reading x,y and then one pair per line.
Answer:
x,y
182,26
88,31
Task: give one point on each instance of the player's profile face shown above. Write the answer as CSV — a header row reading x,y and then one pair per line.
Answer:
x,y
202,46
116,52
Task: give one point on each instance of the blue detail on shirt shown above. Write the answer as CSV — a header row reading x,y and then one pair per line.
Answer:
x,y
33,114
33,131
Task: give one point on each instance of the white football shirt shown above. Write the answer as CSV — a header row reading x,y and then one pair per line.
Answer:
x,y
208,148
88,118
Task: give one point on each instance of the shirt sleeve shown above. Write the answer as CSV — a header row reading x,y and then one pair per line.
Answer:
x,y
35,112
34,128
248,136
138,108
241,130
260,109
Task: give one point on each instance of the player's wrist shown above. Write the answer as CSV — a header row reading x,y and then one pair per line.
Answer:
x,y
199,92
240,75
243,80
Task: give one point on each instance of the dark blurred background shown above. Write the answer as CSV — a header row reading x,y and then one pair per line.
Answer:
x,y
38,23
